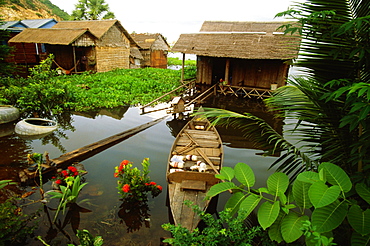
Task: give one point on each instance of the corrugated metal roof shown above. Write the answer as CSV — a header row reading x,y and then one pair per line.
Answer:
x,y
49,36
37,23
238,45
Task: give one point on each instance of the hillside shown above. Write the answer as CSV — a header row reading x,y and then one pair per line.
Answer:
x,y
31,9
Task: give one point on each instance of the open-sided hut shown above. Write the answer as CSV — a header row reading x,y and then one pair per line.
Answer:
x,y
112,47
154,49
241,54
63,43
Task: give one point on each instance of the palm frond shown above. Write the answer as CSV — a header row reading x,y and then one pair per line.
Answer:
x,y
292,161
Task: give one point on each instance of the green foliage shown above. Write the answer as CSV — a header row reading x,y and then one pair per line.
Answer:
x,y
176,61
86,239
6,182
134,183
284,208
227,230
14,226
92,10
56,10
67,194
84,92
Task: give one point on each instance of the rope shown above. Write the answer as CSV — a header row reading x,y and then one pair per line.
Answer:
x,y
66,71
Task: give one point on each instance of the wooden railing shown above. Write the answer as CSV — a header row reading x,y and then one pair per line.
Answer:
x,y
243,91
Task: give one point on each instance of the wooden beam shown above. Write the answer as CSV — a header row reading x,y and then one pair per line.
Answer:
x,y
146,105
87,151
227,71
183,66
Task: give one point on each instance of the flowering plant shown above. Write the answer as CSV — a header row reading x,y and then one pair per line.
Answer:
x,y
62,175
133,183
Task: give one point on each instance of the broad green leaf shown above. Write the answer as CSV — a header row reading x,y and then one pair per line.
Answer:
x,y
308,177
300,194
277,183
226,173
291,227
263,190
336,176
363,191
244,174
234,202
359,220
358,240
329,217
249,204
268,213
321,195
275,229
220,187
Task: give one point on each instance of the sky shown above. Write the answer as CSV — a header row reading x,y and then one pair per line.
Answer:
x,y
172,18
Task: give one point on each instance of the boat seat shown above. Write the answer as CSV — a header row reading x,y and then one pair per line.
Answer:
x,y
193,185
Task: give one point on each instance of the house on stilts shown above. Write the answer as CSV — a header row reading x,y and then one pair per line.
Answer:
x,y
248,59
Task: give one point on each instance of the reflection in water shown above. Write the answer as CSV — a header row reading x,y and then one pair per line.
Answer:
x,y
134,213
106,215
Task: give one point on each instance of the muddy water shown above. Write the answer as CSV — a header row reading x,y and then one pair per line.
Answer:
x,y
100,209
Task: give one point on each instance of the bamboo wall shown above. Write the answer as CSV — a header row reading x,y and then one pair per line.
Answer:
x,y
108,58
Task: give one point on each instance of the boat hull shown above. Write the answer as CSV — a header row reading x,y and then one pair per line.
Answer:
x,y
35,127
201,151
8,114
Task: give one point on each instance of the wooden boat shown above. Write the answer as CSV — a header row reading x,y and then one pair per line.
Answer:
x,y
196,156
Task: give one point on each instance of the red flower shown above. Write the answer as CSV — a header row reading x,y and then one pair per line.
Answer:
x,y
64,173
72,169
53,177
124,162
58,181
147,184
153,183
159,187
116,175
126,188
76,173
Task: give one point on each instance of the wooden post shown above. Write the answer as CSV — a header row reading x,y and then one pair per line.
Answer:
x,y
227,68
74,59
182,69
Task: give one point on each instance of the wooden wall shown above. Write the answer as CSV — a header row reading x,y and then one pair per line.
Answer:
x,y
158,59
242,72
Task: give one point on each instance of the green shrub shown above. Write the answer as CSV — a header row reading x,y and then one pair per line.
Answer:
x,y
227,230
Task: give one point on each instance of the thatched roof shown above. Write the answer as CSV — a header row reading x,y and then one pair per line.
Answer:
x,y
238,45
245,40
50,36
146,40
96,27
135,53
240,26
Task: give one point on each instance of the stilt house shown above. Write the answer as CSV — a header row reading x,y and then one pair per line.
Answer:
x,y
154,49
240,54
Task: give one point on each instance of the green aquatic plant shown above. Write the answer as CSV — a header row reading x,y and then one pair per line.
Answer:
x,y
67,194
